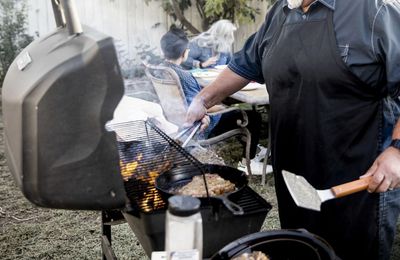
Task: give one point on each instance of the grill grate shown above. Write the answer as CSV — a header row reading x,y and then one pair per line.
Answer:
x,y
251,202
146,151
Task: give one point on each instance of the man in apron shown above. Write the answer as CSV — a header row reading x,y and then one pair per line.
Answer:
x,y
332,70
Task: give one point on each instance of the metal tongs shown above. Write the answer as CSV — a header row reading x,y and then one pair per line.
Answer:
x,y
195,127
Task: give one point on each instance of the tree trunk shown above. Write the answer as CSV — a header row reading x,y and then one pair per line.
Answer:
x,y
205,22
182,18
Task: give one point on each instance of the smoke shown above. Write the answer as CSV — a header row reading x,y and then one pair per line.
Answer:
x,y
206,155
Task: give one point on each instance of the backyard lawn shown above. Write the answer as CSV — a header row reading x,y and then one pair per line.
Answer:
x,y
30,232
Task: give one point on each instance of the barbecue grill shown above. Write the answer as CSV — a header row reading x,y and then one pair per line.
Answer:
x,y
148,153
58,96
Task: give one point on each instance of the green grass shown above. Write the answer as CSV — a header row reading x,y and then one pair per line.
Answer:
x,y
30,232
65,234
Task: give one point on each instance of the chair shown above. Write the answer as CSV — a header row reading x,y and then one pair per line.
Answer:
x,y
168,88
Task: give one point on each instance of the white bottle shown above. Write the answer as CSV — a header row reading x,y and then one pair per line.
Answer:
x,y
183,228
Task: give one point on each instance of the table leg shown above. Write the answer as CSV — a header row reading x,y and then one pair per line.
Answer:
x,y
264,171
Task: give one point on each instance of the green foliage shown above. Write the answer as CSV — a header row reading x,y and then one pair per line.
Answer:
x,y
134,68
239,11
183,5
13,37
148,54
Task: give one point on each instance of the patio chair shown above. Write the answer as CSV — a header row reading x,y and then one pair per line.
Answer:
x,y
168,88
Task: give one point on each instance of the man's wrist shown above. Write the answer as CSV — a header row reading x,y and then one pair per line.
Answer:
x,y
202,98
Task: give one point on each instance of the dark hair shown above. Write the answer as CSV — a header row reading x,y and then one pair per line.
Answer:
x,y
174,43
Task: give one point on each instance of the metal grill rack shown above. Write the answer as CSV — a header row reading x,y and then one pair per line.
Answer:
x,y
146,151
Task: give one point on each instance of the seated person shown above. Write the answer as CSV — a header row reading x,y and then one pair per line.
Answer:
x,y
174,45
211,48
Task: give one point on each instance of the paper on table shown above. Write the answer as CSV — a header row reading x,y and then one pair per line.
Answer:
x,y
205,74
133,109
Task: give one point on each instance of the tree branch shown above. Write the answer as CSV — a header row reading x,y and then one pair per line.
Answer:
x,y
199,5
182,18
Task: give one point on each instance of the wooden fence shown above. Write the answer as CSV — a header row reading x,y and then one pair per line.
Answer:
x,y
129,22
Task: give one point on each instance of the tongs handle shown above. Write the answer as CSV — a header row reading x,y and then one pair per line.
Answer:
x,y
196,127
183,132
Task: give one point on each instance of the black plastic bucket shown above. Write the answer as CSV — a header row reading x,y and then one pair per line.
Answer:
x,y
280,244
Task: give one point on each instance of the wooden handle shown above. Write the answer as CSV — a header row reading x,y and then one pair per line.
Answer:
x,y
350,187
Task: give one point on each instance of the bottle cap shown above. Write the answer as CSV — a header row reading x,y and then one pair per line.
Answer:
x,y
183,206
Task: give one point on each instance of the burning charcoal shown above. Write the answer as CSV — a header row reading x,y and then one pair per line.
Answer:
x,y
128,151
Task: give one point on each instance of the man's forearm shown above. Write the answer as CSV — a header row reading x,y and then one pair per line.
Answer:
x,y
225,85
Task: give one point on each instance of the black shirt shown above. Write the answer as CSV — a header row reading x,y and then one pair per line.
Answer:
x,y
368,40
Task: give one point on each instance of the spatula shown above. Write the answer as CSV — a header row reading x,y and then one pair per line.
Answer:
x,y
306,196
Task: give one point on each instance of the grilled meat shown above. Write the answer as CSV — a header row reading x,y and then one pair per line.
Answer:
x,y
215,184
256,255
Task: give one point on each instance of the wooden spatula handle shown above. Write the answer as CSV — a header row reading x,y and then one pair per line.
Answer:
x,y
350,187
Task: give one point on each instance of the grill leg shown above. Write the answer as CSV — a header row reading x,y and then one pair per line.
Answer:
x,y
108,253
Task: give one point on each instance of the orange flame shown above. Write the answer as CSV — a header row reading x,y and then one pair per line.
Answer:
x,y
128,169
151,198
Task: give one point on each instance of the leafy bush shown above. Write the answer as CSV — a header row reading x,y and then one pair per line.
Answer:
x,y
210,11
134,68
13,37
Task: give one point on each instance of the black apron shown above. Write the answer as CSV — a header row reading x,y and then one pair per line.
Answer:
x,y
326,126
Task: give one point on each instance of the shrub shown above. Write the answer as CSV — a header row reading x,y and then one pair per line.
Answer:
x,y
13,37
134,68
210,11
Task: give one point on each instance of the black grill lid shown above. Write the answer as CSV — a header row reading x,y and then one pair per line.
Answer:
x,y
57,97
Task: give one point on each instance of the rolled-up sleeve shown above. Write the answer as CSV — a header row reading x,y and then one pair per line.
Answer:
x,y
386,43
248,61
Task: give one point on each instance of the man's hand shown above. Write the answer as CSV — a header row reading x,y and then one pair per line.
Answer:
x,y
226,83
385,171
205,122
197,111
